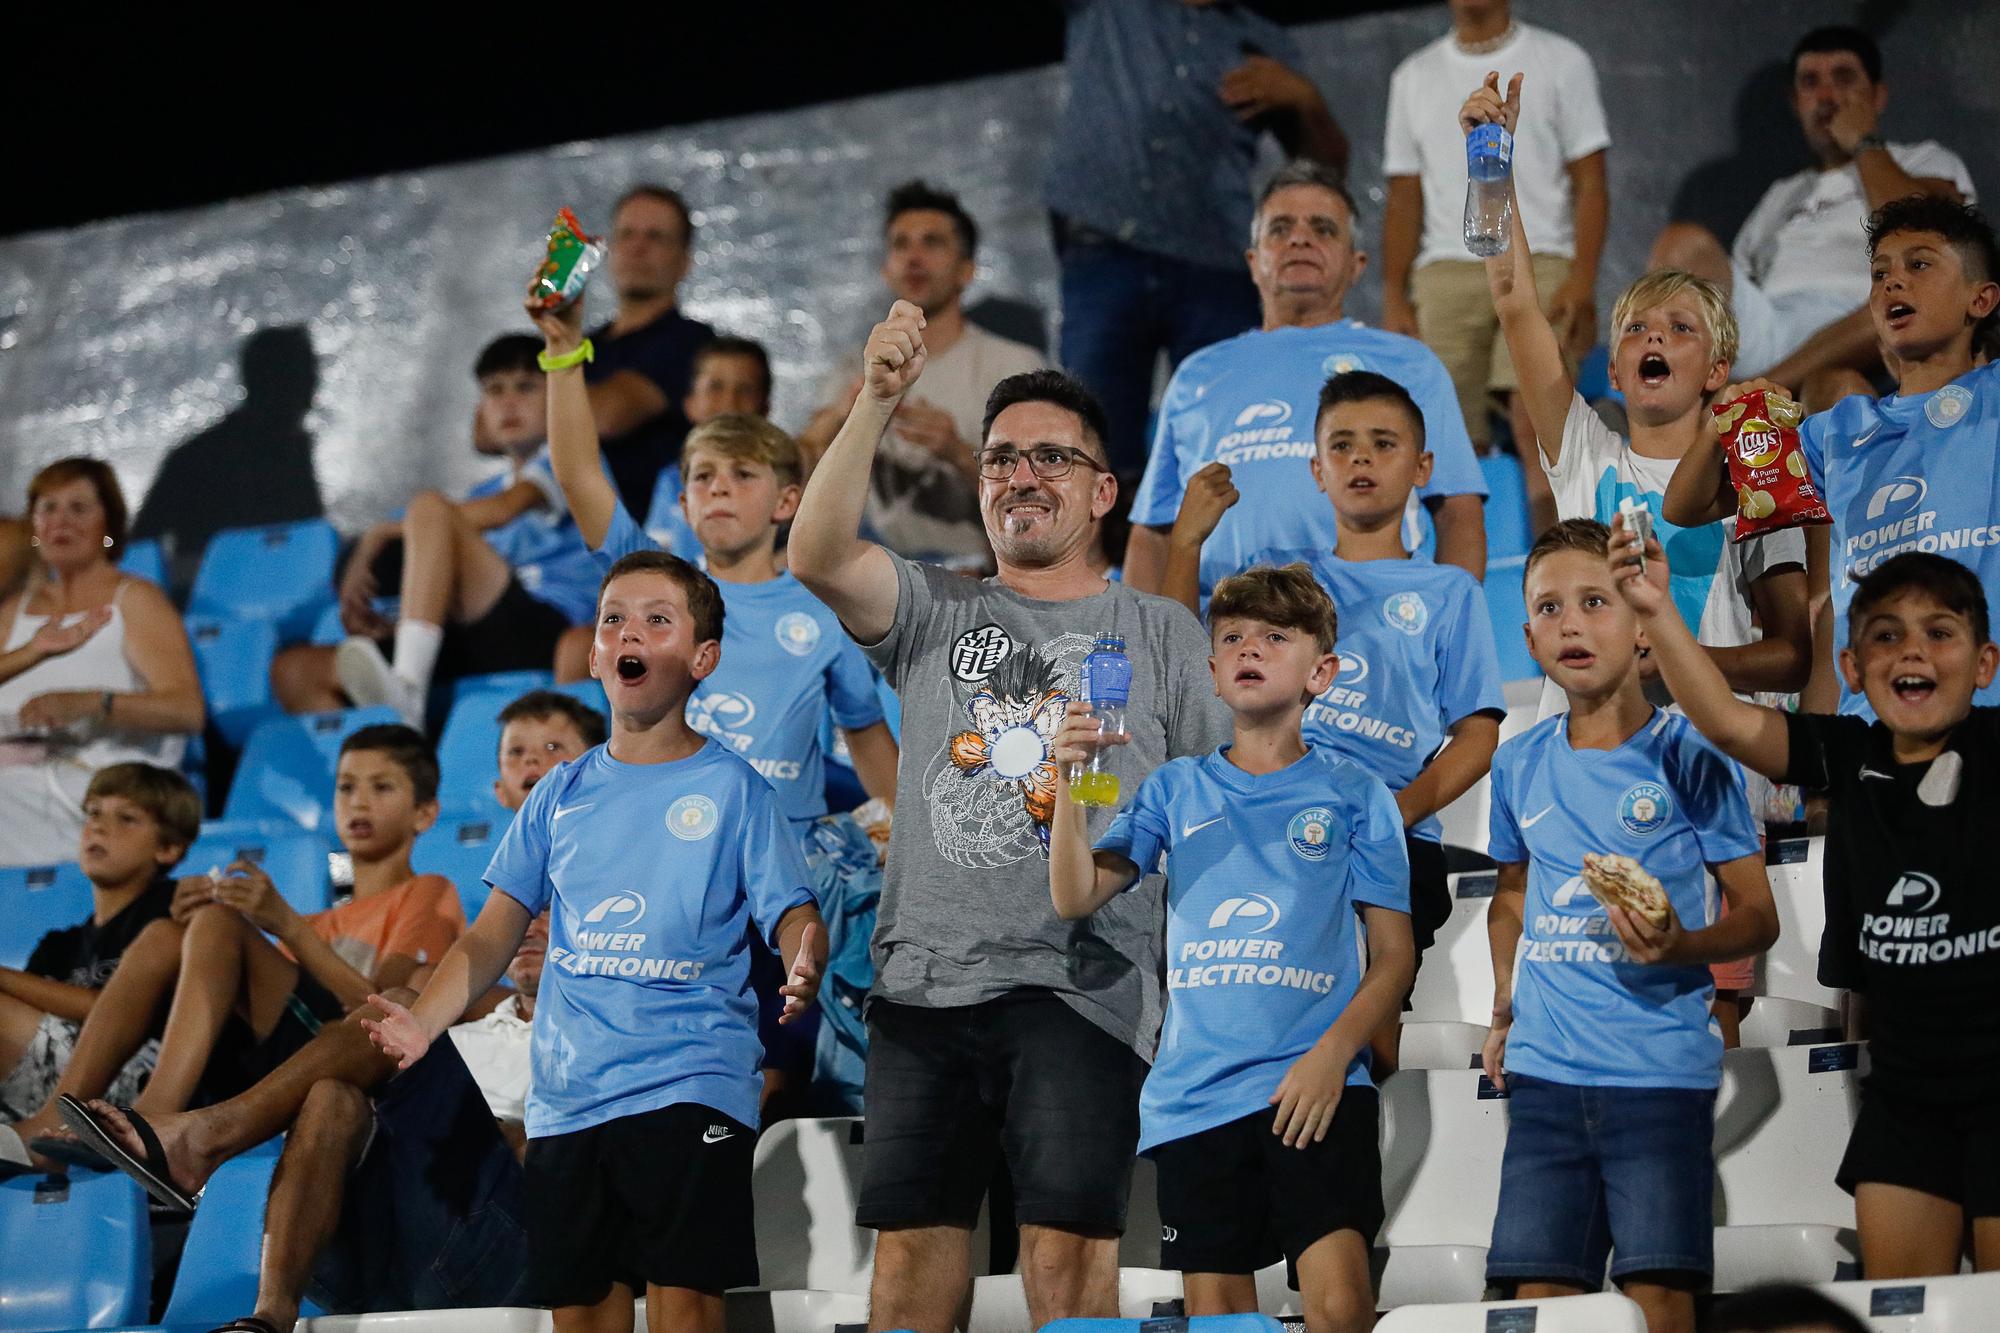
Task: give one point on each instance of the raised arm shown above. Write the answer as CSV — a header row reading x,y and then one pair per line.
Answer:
x,y
1210,495
1748,733
827,553
1080,880
1700,492
574,455
1544,380
1781,660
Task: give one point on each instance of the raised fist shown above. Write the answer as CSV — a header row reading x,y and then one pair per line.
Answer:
x,y
894,357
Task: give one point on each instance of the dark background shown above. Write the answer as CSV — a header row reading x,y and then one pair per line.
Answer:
x,y
180,106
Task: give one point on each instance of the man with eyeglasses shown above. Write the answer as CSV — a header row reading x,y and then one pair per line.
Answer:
x,y
1241,411
994,1027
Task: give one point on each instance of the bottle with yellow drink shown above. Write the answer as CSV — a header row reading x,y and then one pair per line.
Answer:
x,y
1106,681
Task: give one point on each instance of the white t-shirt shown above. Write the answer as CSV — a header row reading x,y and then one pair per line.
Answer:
x,y
1561,120
1806,239
1711,571
496,1051
919,505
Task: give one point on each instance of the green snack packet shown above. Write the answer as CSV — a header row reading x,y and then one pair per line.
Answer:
x,y
571,258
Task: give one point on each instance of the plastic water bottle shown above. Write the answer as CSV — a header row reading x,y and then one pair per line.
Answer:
x,y
1107,687
1489,200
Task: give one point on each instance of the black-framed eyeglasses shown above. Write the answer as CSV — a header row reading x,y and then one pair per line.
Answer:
x,y
1050,462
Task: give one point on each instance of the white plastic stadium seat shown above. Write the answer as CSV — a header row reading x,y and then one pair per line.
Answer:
x,y
1962,1304
791,1311
502,1319
1441,1146
1800,1252
1601,1312
1411,1275
1775,1021
1439,1045
1781,1125
1790,969
1000,1302
1455,984
805,1179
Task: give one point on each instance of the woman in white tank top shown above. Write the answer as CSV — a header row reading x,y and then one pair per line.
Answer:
x,y
95,667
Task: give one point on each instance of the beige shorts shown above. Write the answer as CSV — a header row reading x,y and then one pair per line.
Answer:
x,y
1456,321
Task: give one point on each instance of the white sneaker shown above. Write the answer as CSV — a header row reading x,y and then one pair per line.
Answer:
x,y
367,678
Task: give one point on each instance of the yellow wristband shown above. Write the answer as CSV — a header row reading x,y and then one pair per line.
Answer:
x,y
584,352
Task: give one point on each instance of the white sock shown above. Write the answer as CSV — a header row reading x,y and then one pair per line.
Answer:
x,y
417,644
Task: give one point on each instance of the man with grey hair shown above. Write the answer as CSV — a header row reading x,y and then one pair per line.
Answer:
x,y
1237,418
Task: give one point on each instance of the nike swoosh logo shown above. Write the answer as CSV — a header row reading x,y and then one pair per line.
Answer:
x,y
1862,439
715,1134
1871,773
561,811
1193,829
1536,818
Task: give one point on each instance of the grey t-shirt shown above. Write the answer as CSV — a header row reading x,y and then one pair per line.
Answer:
x,y
984,674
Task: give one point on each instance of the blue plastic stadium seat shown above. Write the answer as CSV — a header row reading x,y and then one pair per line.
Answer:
x,y
1593,376
592,693
146,560
75,1252
1508,608
282,574
234,658
469,749
1506,507
459,847
294,858
1206,1323
35,900
513,684
218,1272
287,767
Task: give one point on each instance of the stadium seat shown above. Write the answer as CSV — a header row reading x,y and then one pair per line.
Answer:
x,y
75,1252
1446,1045
1961,1304
1455,984
294,858
218,1270
592,693
1409,1275
1600,1312
234,659
492,1319
469,749
510,683
1801,1252
282,573
287,767
460,846
1790,969
1775,1021
1593,376
1201,1323
791,1311
35,900
1507,526
1000,1302
1507,607
1781,1125
1443,1131
805,1180
144,560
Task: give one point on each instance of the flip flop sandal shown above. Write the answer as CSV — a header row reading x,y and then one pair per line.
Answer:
x,y
149,1170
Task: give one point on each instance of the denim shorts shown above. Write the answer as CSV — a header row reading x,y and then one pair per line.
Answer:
x,y
1590,1170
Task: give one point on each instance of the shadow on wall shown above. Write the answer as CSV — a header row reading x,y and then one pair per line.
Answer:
x,y
1768,144
253,466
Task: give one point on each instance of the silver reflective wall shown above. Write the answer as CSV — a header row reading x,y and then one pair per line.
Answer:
x,y
127,339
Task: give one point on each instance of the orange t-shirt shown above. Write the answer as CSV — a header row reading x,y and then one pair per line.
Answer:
x,y
419,918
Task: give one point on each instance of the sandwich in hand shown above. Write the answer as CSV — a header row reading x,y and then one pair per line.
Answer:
x,y
1619,881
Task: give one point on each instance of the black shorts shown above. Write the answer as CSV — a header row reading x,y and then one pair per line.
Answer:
x,y
433,1217
1430,891
660,1198
1024,1075
240,1060
1947,1151
519,633
1234,1199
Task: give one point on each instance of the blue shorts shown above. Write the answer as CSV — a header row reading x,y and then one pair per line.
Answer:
x,y
1588,1170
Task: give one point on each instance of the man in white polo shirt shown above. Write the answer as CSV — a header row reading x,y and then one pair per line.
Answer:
x,y
1798,272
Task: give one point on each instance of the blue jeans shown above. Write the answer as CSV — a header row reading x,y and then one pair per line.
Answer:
x,y
1590,1169
1122,307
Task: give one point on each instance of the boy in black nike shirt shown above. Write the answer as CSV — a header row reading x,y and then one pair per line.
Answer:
x,y
1912,911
